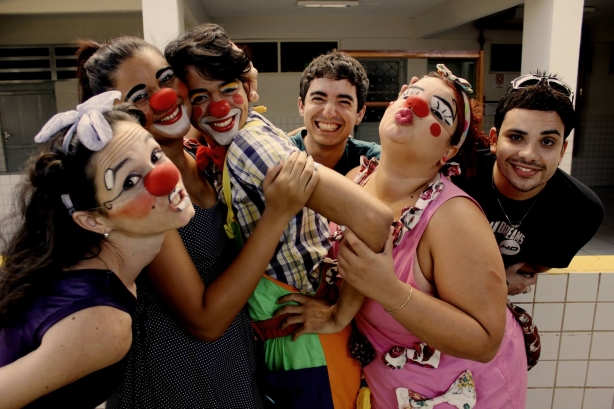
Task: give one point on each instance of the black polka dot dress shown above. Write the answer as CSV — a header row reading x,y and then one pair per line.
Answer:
x,y
171,369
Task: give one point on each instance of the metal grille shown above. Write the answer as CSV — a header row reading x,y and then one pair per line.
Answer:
x,y
37,63
386,76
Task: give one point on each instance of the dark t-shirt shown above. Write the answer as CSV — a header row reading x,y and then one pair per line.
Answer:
x,y
66,294
564,216
350,159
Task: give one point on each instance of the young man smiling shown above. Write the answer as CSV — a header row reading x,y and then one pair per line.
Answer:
x,y
333,92
540,215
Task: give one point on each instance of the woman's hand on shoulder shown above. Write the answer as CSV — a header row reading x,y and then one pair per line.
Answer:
x,y
288,185
81,343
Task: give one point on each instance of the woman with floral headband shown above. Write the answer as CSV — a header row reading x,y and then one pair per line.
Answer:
x,y
439,333
94,210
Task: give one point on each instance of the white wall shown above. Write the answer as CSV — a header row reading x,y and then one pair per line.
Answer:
x,y
64,29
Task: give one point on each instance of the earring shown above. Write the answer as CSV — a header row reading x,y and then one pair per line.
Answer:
x,y
445,159
106,235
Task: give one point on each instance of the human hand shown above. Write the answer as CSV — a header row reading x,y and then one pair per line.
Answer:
x,y
251,85
519,283
370,273
288,185
313,316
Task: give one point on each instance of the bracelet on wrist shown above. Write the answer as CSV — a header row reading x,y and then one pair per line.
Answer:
x,y
411,291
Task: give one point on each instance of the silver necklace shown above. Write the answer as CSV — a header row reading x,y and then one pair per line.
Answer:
x,y
512,225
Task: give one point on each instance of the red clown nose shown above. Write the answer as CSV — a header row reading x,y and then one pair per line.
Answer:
x,y
219,109
162,179
163,100
418,105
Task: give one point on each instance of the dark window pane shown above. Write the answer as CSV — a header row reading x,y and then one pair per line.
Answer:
x,y
374,114
383,79
24,52
12,64
61,51
64,75
25,76
262,55
61,63
505,57
296,56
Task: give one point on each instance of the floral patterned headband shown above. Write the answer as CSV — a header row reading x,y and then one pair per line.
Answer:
x,y
466,87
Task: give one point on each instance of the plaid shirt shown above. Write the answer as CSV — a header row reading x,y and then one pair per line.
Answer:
x,y
304,244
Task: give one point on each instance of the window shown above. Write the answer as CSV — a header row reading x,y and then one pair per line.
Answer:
x,y
285,56
505,57
36,63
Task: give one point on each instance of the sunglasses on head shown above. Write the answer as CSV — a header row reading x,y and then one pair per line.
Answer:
x,y
530,80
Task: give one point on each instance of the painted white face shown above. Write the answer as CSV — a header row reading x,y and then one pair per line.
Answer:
x,y
223,130
219,108
147,81
140,188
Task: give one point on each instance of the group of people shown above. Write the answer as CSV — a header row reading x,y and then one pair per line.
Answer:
x,y
177,250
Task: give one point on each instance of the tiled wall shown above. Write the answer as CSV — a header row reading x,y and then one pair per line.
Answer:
x,y
575,317
593,162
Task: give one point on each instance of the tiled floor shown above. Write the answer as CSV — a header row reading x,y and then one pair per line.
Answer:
x,y
603,242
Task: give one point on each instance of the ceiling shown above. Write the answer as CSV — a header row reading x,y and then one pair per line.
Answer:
x,y
272,8
394,8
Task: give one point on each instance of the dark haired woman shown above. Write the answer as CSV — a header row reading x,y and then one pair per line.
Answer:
x,y
94,210
193,342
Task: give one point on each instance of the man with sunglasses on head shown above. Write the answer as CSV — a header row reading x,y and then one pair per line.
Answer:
x,y
540,215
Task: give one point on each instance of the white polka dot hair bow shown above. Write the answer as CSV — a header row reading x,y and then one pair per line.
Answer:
x,y
92,129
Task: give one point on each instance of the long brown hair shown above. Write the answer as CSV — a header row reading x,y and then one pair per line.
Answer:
x,y
46,240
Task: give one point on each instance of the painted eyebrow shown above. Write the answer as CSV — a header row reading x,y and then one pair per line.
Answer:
x,y
161,71
415,86
118,167
197,91
447,104
133,90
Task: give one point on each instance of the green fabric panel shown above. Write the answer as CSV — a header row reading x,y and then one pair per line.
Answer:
x,y
282,353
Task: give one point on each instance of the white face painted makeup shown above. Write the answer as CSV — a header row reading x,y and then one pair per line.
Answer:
x,y
177,127
223,130
109,179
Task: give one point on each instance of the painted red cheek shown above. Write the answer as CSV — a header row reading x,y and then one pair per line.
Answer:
x,y
182,90
197,112
139,208
435,130
238,99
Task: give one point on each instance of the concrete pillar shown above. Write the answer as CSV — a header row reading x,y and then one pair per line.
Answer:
x,y
162,21
417,67
551,42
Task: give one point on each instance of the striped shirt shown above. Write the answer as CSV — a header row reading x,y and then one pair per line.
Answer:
x,y
304,244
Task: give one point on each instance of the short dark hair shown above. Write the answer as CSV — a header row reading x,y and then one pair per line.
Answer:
x,y
209,50
337,65
538,97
